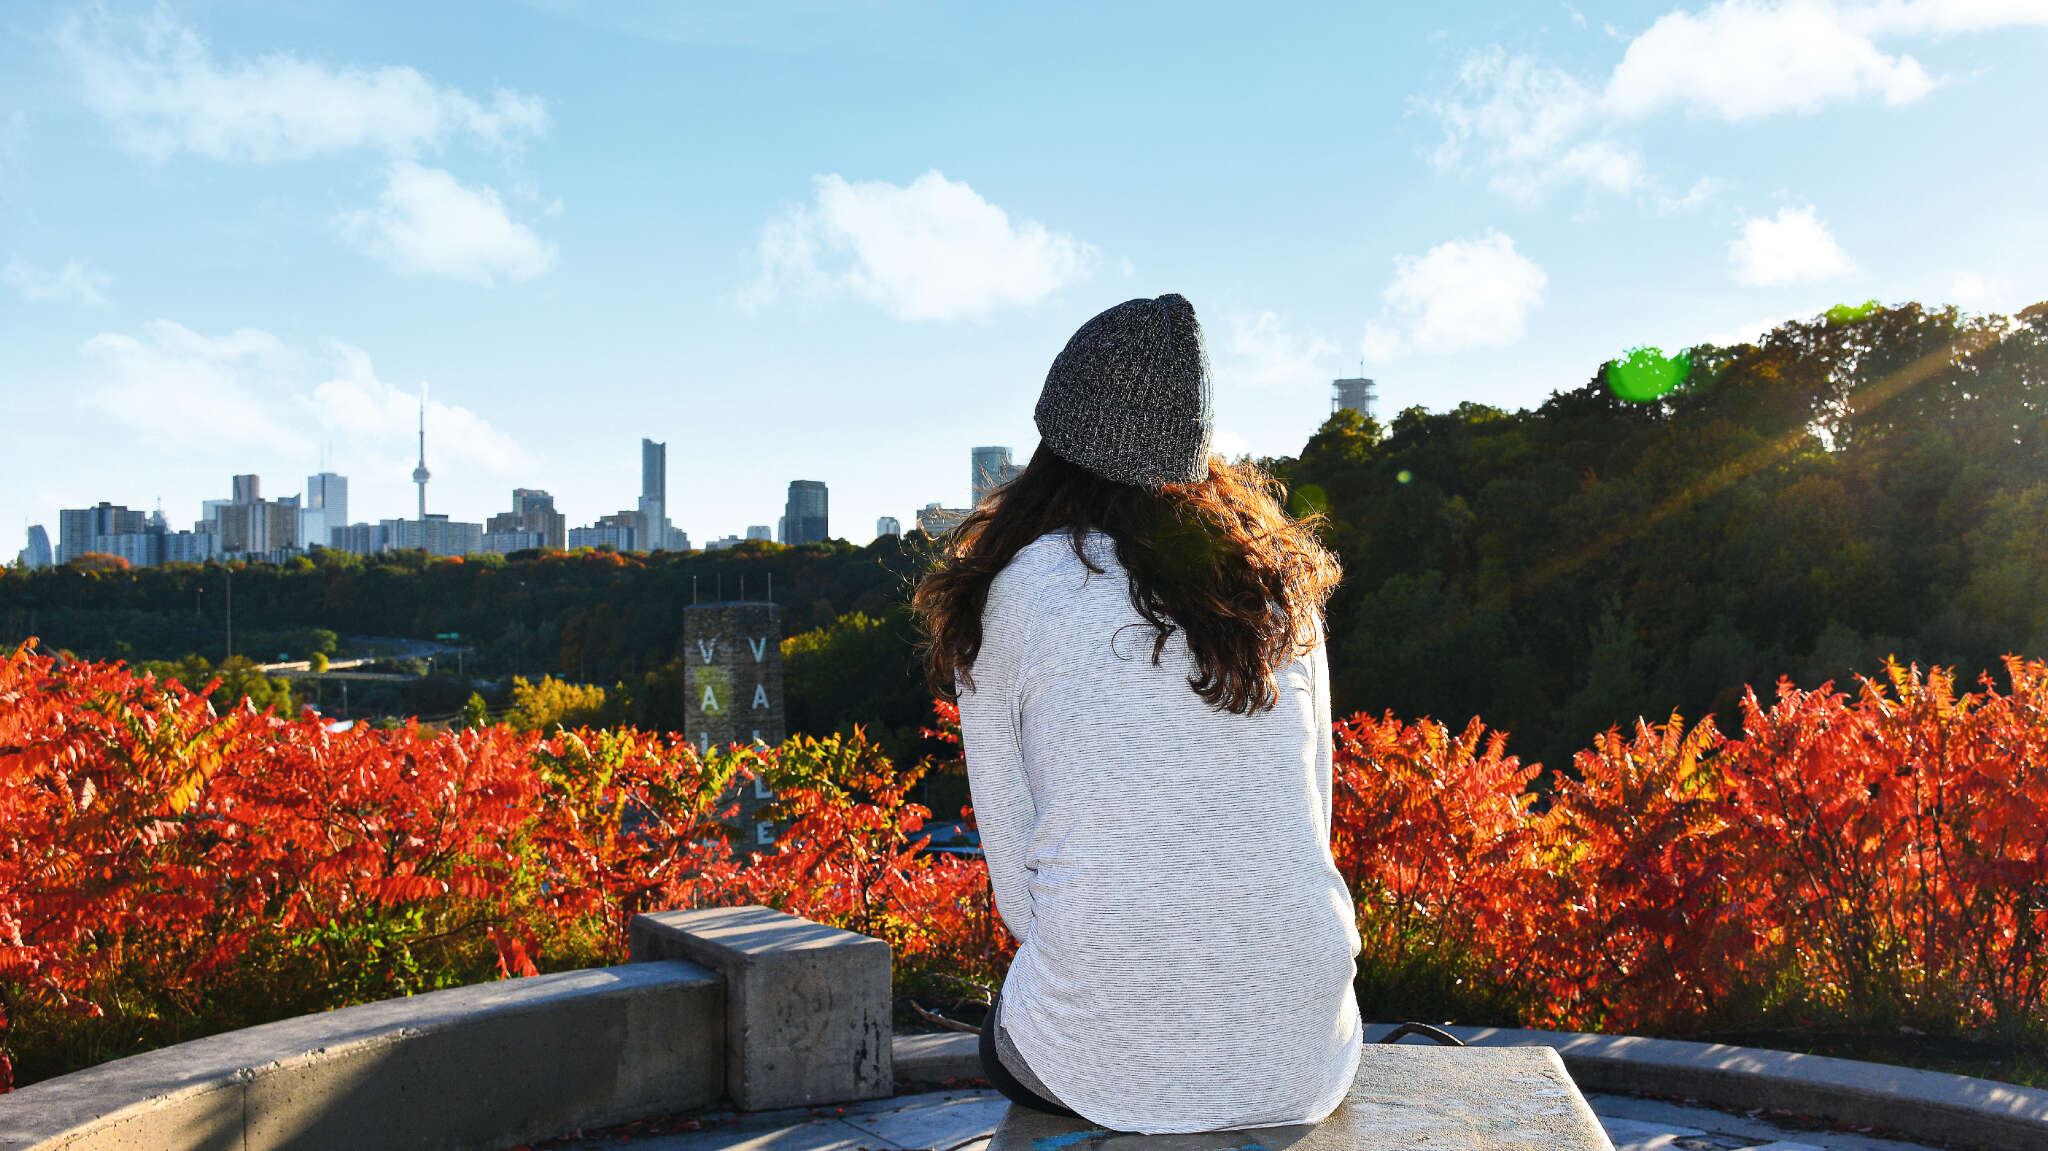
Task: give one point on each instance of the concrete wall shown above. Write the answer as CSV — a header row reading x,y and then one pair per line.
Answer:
x,y
492,1065
481,1067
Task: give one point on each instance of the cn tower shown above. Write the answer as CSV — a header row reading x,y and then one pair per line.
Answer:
x,y
420,475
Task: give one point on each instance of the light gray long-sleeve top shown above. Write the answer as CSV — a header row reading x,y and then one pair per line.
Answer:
x,y
1186,944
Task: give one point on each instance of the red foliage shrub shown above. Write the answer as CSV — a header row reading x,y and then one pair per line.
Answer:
x,y
166,870
1876,862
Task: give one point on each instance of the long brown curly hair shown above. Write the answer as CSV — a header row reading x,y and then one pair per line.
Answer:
x,y
1220,558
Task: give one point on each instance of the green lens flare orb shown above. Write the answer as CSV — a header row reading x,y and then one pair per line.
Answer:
x,y
1646,374
1309,499
1403,476
1850,313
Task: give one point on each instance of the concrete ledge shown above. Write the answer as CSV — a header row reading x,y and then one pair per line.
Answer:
x,y
808,1006
1928,1106
1940,1109
479,1067
937,1058
1403,1099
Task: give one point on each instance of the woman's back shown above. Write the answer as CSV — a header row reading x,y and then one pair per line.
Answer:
x,y
1186,942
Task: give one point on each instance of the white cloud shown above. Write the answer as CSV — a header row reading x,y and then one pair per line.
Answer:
x,y
1229,444
73,283
248,402
930,250
1976,293
1380,343
1462,294
1738,60
1701,191
371,413
160,88
1265,354
1791,248
1534,126
185,389
429,223
1752,331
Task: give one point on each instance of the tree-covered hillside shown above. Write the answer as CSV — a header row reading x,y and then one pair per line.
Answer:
x,y
1868,484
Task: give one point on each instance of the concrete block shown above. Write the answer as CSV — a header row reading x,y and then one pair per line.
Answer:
x,y
1403,1099
807,1006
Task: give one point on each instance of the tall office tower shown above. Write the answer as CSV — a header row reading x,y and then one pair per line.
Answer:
x,y
248,489
888,526
760,532
326,508
420,474
1354,393
328,492
37,554
804,518
654,486
991,470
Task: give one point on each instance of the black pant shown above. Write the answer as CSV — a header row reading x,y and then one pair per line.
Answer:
x,y
1000,1075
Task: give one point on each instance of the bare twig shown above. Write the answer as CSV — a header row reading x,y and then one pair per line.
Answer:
x,y
938,1020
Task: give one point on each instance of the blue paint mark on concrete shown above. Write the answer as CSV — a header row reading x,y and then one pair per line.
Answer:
x,y
1058,1142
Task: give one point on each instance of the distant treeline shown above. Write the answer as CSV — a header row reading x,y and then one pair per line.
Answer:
x,y
588,616
1869,484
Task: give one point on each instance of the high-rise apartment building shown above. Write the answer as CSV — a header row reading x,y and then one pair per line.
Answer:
x,y
143,539
760,532
251,525
81,530
533,522
888,526
805,517
437,535
361,539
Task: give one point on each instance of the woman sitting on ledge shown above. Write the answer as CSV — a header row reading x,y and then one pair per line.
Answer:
x,y
1133,630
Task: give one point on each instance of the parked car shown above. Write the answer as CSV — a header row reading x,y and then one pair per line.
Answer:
x,y
952,838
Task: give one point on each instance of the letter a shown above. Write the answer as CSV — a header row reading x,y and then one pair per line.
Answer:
x,y
760,695
710,699
707,647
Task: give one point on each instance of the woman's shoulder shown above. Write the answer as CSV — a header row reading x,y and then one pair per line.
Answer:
x,y
1046,564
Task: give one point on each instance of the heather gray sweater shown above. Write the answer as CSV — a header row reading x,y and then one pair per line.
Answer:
x,y
1185,943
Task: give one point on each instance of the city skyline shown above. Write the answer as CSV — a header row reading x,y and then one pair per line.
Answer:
x,y
246,524
837,243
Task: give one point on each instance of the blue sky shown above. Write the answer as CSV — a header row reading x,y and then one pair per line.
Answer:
x,y
844,241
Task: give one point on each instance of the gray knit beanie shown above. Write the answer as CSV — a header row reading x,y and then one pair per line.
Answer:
x,y
1128,397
